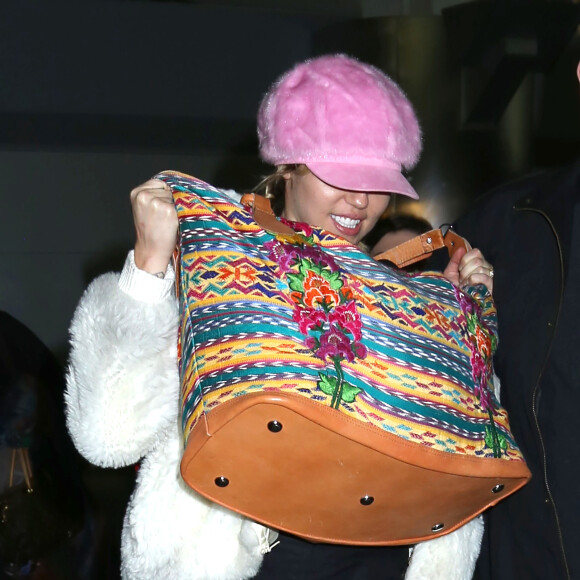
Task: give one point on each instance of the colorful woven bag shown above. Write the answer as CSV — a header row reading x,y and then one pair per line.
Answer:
x,y
326,394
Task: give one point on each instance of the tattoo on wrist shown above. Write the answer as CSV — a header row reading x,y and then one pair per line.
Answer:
x,y
160,275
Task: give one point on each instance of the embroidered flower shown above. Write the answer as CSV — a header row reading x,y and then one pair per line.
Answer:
x,y
318,292
324,308
347,316
482,343
308,319
360,350
334,343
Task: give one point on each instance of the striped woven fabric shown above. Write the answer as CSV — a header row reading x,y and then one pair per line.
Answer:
x,y
313,315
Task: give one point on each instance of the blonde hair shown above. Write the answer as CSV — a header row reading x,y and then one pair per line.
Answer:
x,y
273,186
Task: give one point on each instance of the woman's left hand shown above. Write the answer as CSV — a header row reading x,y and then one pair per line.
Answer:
x,y
469,268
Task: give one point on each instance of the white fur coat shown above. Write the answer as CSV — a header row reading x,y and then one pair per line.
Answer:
x,y
122,407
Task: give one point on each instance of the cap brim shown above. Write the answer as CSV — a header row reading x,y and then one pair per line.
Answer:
x,y
356,177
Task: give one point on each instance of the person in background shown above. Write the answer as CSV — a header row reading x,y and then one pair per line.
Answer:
x,y
530,229
396,229
45,515
393,230
339,133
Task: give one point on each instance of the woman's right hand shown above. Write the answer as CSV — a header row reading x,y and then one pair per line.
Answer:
x,y
155,226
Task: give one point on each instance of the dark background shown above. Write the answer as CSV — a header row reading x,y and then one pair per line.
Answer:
x,y
97,96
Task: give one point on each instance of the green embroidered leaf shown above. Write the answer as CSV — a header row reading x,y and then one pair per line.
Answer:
x,y
327,384
295,282
304,266
349,392
318,269
502,442
334,280
472,324
488,437
307,265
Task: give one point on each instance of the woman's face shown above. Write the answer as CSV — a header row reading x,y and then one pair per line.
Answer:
x,y
348,214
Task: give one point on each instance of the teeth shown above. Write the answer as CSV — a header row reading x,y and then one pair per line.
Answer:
x,y
345,222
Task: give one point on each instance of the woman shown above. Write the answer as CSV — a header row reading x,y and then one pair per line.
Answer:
x,y
339,133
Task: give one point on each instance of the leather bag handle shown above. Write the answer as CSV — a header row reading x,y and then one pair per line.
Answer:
x,y
422,247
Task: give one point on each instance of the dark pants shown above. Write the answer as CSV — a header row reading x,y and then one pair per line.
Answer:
x,y
296,559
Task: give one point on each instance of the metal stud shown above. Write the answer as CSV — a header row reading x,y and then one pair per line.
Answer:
x,y
367,500
437,527
222,481
429,240
497,488
275,426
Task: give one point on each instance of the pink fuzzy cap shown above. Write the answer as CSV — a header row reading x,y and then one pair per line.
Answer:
x,y
347,121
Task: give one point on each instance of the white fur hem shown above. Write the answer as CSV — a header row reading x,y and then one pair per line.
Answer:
x,y
449,557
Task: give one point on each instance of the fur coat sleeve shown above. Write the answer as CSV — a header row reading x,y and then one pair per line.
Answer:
x,y
123,360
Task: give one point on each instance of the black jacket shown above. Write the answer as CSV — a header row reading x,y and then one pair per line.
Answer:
x,y
525,229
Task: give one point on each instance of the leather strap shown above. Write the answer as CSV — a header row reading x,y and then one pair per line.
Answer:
x,y
423,246
264,215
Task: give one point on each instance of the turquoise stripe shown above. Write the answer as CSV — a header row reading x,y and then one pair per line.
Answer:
x,y
422,362
234,330
208,381
420,410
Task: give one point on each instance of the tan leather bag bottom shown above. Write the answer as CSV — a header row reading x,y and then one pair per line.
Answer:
x,y
294,465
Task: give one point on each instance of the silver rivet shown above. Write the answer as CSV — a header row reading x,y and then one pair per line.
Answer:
x,y
437,527
429,240
497,488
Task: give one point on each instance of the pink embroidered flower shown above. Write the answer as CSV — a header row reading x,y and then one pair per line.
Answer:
x,y
283,254
465,302
276,249
334,344
359,349
347,317
287,260
309,319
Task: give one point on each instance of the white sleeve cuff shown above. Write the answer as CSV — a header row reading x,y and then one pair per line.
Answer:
x,y
146,287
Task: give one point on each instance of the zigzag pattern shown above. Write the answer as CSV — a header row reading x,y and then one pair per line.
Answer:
x,y
239,335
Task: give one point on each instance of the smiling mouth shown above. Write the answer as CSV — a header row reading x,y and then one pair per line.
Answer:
x,y
345,222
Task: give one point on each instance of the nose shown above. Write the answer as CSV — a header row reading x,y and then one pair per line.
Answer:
x,y
358,199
